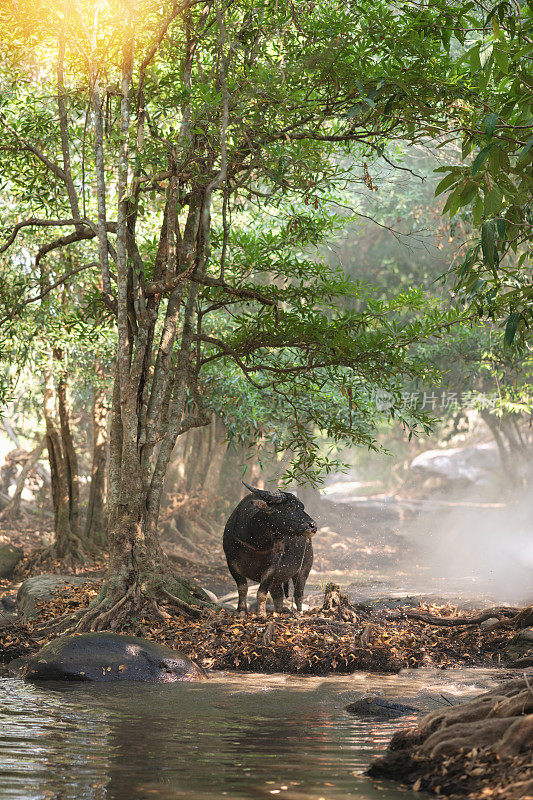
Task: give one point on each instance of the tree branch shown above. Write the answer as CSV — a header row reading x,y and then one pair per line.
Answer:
x,y
63,125
63,241
228,351
103,243
244,294
54,168
47,290
31,222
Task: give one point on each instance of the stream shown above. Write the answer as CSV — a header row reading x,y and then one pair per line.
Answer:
x,y
239,736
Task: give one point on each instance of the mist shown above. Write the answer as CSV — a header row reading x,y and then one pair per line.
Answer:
x,y
477,548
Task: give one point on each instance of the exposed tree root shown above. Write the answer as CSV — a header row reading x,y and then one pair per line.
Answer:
x,y
337,604
489,740
507,616
188,610
118,603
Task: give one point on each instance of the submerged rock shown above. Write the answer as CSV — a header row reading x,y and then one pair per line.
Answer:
x,y
9,558
43,587
106,657
379,707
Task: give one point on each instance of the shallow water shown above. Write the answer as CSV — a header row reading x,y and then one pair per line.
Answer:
x,y
238,736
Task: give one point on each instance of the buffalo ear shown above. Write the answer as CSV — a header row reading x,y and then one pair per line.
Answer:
x,y
260,504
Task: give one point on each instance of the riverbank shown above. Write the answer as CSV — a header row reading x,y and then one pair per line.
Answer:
x,y
337,637
477,749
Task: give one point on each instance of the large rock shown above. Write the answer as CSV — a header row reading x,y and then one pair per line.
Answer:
x,y
43,587
106,657
519,651
9,558
476,464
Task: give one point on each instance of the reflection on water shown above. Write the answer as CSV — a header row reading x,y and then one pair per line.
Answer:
x,y
235,736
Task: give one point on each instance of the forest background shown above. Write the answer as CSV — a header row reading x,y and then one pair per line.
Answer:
x,y
239,240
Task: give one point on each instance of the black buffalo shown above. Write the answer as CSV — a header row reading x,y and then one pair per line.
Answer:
x,y
268,539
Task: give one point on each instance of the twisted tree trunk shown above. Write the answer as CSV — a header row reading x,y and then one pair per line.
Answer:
x,y
69,452
95,524
68,547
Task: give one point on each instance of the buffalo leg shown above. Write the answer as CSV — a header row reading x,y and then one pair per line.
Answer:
x,y
299,586
264,589
242,588
276,593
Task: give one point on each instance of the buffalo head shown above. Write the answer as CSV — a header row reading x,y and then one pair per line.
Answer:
x,y
287,516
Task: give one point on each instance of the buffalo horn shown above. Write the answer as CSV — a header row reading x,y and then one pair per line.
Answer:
x,y
268,497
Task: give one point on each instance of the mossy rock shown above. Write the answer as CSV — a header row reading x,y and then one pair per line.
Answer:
x,y
40,588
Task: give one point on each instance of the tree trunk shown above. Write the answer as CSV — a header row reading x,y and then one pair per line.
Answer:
x,y
95,520
69,453
217,453
68,546
494,427
138,571
12,510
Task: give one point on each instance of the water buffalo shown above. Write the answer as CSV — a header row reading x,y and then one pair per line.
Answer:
x,y
268,539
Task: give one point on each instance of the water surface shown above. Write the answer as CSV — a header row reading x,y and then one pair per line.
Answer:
x,y
238,736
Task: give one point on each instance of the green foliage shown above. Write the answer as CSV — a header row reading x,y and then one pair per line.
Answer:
x,y
495,186
282,112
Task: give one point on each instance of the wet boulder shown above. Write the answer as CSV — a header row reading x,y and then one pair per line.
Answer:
x,y
106,657
41,588
379,707
9,558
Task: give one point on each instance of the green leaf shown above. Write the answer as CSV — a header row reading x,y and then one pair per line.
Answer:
x,y
526,148
511,327
502,59
389,104
485,53
488,243
446,35
475,61
452,203
469,191
366,99
490,124
477,211
501,228
493,201
480,158
445,183
467,147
